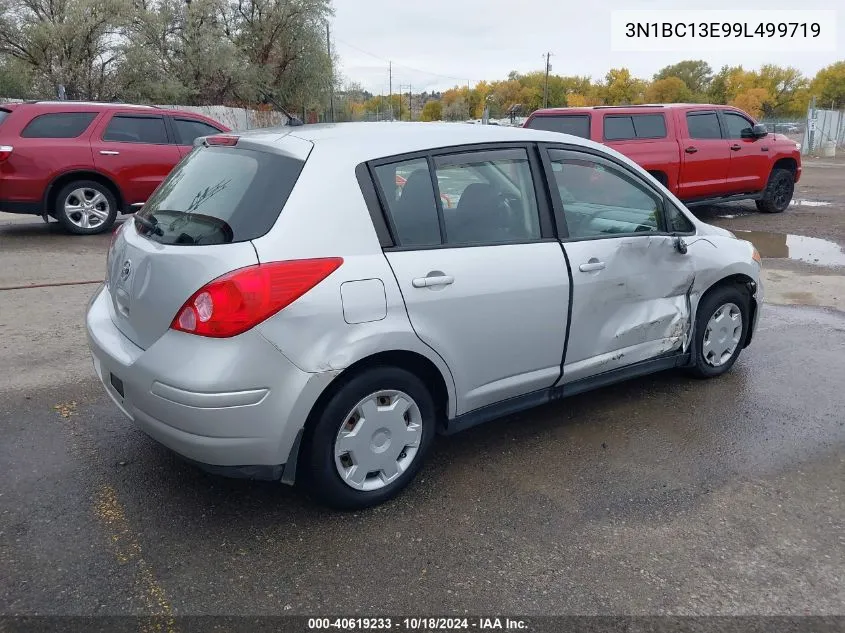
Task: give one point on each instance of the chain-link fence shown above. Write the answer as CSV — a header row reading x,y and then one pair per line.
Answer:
x,y
824,135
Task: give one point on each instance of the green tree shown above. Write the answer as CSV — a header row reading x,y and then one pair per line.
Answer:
x,y
669,90
621,88
828,86
432,111
696,74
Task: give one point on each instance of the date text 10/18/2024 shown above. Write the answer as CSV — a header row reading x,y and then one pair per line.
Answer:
x,y
419,624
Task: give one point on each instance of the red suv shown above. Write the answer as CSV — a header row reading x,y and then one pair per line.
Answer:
x,y
83,163
701,153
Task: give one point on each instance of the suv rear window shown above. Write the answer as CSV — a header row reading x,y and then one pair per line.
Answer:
x,y
219,195
624,127
575,124
3,114
58,125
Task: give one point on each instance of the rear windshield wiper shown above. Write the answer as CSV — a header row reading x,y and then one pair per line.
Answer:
x,y
152,227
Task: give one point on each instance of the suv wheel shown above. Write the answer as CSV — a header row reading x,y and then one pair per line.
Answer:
x,y
778,192
370,439
721,324
86,207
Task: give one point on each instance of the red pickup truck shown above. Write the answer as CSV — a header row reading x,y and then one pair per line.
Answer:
x,y
701,153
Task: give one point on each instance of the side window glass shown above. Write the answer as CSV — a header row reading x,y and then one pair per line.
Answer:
x,y
618,128
577,125
409,195
650,125
188,131
600,200
737,125
676,221
58,125
136,129
704,125
488,197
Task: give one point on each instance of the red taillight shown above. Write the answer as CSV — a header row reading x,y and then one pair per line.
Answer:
x,y
5,152
222,139
243,298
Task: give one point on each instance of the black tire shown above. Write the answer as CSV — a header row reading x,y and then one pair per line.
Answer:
x,y
713,301
778,192
75,222
319,471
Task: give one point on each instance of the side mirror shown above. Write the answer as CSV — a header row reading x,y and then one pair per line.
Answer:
x,y
680,244
759,131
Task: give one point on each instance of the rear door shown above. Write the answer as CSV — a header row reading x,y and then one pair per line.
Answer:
x,y
484,281
630,284
705,155
749,164
186,130
136,150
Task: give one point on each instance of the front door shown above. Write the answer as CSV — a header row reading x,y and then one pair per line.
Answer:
x,y
705,156
749,165
630,285
484,281
135,150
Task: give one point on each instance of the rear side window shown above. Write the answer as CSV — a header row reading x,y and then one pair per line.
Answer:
x,y
58,125
575,124
219,195
619,128
188,130
136,129
409,195
3,115
703,125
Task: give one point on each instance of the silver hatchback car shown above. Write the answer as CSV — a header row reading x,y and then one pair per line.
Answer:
x,y
314,304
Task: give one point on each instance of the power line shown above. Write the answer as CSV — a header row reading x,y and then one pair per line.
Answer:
x,y
417,70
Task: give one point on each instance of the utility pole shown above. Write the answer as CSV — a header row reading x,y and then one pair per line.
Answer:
x,y
410,104
331,65
390,70
546,83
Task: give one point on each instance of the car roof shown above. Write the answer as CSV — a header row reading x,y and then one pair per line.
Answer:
x,y
643,107
359,142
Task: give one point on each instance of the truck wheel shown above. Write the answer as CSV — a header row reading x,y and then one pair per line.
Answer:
x,y
86,207
778,192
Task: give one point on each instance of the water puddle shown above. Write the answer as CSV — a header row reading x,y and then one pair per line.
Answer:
x,y
811,250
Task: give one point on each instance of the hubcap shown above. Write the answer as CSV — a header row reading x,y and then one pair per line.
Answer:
x,y
378,440
722,335
86,208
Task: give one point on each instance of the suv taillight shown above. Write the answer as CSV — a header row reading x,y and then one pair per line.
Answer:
x,y
241,299
5,152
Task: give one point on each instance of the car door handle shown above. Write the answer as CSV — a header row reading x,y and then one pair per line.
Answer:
x,y
736,148
591,265
691,150
434,280
108,152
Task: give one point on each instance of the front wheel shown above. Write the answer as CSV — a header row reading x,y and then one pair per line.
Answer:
x,y
370,439
778,192
86,207
721,325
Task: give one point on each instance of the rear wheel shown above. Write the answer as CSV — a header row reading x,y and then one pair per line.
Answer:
x,y
778,192
370,439
86,207
721,324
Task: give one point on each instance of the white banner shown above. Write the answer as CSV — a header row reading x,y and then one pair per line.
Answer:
x,y
717,31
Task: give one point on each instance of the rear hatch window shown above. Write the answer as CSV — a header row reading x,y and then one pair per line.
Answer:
x,y
575,124
219,195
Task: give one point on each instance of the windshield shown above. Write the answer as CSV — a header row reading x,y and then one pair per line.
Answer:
x,y
219,195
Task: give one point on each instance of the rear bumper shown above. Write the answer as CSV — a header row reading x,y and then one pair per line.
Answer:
x,y
233,405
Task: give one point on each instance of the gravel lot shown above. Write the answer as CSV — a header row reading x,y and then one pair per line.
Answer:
x,y
662,495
